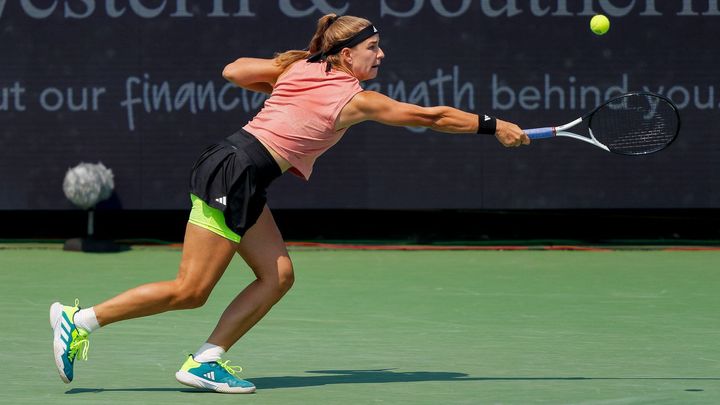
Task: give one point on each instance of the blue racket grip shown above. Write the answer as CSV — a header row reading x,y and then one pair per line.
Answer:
x,y
539,133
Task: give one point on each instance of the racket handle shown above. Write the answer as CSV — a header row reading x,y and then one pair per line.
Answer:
x,y
539,133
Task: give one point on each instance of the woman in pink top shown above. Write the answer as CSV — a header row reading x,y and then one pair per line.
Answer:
x,y
315,96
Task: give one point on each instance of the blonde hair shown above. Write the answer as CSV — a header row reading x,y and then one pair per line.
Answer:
x,y
331,30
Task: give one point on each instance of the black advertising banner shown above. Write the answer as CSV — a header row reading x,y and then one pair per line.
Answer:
x,y
137,85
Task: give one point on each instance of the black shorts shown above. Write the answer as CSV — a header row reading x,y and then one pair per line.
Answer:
x,y
233,176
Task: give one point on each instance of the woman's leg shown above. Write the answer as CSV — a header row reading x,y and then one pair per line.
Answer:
x,y
205,257
263,249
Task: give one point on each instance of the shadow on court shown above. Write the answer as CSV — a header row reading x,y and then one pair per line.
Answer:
x,y
326,377
330,377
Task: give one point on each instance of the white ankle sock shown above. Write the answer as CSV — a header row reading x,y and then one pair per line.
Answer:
x,y
208,352
86,319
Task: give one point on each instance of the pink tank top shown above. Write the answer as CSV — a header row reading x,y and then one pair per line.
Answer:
x,y
298,120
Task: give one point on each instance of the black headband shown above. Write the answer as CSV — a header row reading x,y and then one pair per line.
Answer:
x,y
362,35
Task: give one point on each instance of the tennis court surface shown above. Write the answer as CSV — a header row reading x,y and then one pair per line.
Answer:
x,y
396,327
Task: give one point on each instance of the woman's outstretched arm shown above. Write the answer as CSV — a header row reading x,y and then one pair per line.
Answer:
x,y
373,106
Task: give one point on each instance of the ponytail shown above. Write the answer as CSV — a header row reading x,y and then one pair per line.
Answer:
x,y
331,29
287,58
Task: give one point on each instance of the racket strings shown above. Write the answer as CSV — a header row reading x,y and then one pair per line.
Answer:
x,y
635,124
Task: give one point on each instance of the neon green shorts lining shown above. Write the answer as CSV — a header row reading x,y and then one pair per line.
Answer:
x,y
211,219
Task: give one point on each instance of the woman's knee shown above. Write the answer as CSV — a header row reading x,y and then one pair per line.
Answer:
x,y
280,277
286,275
188,296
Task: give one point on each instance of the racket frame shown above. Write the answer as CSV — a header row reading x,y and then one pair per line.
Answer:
x,y
549,132
560,131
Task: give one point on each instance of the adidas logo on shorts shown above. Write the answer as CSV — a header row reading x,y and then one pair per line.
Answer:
x,y
222,200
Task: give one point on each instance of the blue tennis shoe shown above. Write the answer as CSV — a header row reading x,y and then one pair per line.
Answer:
x,y
69,342
214,375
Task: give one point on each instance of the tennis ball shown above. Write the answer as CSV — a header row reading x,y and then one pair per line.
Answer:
x,y
599,24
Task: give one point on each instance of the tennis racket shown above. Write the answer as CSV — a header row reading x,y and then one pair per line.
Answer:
x,y
630,124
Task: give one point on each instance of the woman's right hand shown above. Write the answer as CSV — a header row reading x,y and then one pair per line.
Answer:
x,y
510,135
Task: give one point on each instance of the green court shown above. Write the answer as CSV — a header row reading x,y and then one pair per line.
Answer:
x,y
396,327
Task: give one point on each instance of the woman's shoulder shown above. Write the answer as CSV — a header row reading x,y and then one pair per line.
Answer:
x,y
290,68
304,70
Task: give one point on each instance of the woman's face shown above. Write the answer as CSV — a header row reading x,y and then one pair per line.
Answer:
x,y
364,58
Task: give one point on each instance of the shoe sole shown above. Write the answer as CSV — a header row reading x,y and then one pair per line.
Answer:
x,y
191,380
56,310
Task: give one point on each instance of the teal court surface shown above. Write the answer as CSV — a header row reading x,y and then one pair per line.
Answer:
x,y
388,326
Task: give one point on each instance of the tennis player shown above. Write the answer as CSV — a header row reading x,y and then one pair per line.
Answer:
x,y
315,96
